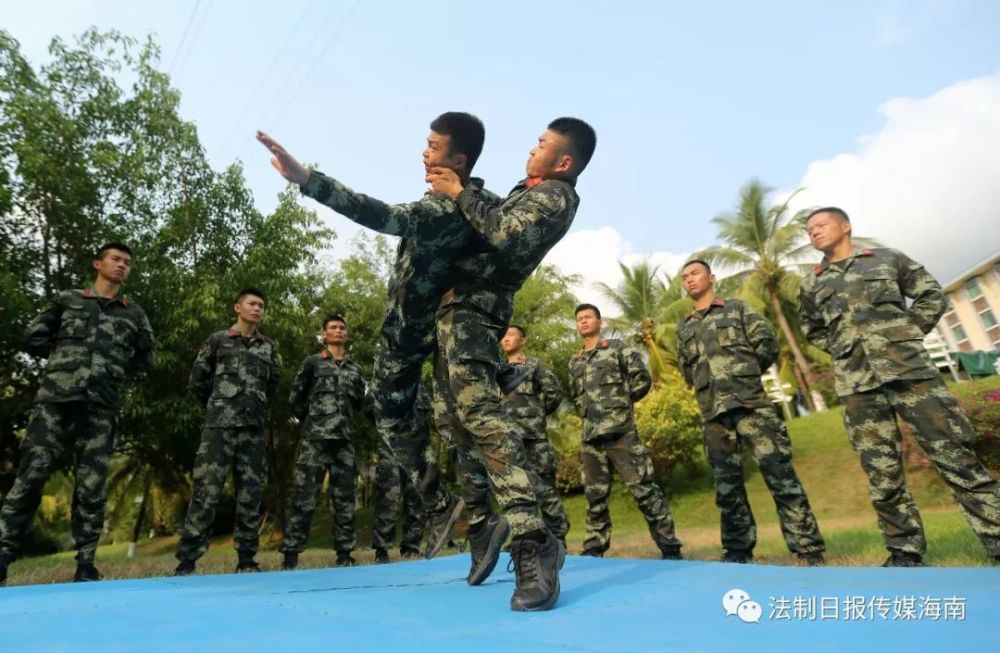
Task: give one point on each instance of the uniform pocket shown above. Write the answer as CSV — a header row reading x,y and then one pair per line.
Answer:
x,y
882,287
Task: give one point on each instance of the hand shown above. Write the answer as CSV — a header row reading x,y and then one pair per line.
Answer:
x,y
443,180
284,162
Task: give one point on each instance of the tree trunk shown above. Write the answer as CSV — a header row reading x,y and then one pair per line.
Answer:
x,y
137,527
802,368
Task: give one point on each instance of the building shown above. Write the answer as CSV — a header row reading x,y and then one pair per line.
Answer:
x,y
970,323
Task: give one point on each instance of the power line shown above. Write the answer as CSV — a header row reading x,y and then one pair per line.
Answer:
x,y
180,46
194,38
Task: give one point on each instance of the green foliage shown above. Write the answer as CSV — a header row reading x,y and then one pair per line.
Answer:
x,y
983,409
544,307
669,423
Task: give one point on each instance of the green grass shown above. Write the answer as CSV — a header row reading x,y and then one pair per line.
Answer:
x,y
828,468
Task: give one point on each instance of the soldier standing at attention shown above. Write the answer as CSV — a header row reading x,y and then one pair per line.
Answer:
x,y
531,402
854,306
327,395
234,376
723,347
93,339
606,377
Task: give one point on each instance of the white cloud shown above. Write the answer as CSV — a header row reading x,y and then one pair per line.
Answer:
x,y
927,182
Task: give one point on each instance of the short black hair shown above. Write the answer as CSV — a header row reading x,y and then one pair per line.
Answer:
x,y
524,334
698,260
121,247
465,131
334,317
256,292
582,140
836,210
584,307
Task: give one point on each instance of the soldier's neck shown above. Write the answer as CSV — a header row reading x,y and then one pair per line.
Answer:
x,y
705,300
245,328
339,352
843,250
515,357
589,342
106,288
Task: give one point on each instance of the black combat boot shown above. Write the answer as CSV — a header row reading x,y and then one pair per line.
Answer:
x,y
247,564
381,556
537,558
290,561
903,559
737,556
812,559
485,540
344,559
86,572
592,553
671,553
439,524
4,563
184,568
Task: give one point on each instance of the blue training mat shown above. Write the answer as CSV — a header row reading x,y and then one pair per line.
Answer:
x,y
606,606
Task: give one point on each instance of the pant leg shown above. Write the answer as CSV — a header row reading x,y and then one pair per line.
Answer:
x,y
871,426
343,484
93,454
50,431
468,340
388,491
597,489
248,486
542,463
942,429
772,449
633,461
723,452
414,519
212,463
310,468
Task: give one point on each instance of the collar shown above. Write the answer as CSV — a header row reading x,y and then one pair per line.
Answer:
x,y
716,301
602,344
531,182
91,293
233,332
858,252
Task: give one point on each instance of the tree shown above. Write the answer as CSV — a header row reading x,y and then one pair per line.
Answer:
x,y
544,307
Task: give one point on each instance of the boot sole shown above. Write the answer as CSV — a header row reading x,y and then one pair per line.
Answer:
x,y
456,511
492,556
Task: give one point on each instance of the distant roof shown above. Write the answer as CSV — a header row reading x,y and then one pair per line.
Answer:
x,y
974,271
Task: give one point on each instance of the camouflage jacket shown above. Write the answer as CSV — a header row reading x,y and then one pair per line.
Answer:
x,y
722,353
327,394
432,231
235,378
856,310
604,383
533,400
91,343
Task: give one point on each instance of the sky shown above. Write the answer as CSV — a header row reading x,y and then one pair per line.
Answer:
x,y
889,109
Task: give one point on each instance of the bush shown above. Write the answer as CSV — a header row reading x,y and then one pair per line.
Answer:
x,y
670,424
983,409
564,433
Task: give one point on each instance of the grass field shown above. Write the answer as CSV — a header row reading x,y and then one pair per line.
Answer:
x,y
827,466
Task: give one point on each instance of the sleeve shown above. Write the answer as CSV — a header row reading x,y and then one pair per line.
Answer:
x,y
575,391
301,386
929,300
359,392
202,372
520,225
550,390
761,337
40,335
682,360
813,326
145,346
418,220
274,373
639,379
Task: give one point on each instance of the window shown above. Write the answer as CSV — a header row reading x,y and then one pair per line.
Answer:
x,y
972,288
959,333
989,320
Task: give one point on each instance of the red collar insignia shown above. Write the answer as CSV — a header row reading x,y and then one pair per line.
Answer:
x,y
531,182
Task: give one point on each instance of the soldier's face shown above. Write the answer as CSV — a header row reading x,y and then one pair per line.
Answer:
x,y
549,159
437,154
512,341
114,266
335,333
697,280
587,323
827,230
250,309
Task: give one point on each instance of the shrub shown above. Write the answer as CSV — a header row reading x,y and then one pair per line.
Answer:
x,y
669,423
983,409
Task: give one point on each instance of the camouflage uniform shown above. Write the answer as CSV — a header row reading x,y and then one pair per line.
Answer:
x,y
392,489
604,383
432,233
234,377
723,351
856,310
327,395
531,403
92,344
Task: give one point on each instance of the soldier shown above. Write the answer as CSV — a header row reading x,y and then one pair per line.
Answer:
x,y
234,376
472,318
327,394
531,403
394,494
93,339
723,347
854,307
606,377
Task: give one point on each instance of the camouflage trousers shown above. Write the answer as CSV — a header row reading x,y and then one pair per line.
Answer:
x,y
76,428
766,436
627,454
316,458
240,450
394,493
938,424
542,467
465,384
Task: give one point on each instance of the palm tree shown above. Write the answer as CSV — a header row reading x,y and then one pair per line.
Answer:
x,y
761,244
